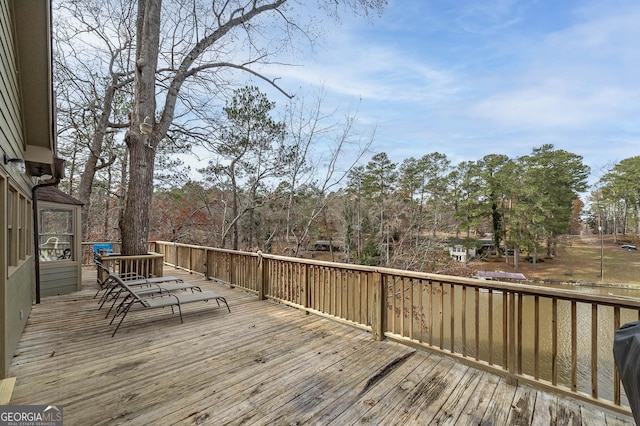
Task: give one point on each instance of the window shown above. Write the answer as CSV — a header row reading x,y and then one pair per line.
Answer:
x,y
19,229
22,229
12,218
56,234
29,228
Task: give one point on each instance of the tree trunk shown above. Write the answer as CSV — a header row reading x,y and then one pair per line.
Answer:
x,y
107,207
135,220
134,224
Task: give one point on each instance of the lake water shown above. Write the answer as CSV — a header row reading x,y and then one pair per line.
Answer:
x,y
604,343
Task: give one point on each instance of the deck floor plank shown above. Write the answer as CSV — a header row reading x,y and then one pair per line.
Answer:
x,y
233,389
545,409
357,404
264,363
449,412
522,406
428,396
296,400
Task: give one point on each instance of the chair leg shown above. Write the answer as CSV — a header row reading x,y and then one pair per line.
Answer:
x,y
180,311
225,302
124,314
115,300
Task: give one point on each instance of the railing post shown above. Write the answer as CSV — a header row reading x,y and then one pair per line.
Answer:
x,y
175,255
158,266
378,300
261,277
206,264
232,271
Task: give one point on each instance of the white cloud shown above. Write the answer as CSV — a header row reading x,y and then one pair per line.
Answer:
x,y
376,73
552,105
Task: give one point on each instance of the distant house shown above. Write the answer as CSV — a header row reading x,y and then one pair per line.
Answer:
x,y
488,245
461,253
463,250
28,151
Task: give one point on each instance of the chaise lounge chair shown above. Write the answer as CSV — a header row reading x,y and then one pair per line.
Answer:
x,y
134,279
158,300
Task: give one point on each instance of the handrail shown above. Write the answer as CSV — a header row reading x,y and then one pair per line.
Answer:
x,y
553,339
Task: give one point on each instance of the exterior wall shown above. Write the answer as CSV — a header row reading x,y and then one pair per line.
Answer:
x,y
59,279
63,276
17,264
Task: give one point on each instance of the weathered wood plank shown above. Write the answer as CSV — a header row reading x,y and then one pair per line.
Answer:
x,y
436,398
449,414
544,411
474,410
522,406
499,405
364,398
296,401
6,390
397,402
567,413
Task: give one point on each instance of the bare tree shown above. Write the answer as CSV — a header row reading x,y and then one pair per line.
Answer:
x,y
318,165
92,66
207,39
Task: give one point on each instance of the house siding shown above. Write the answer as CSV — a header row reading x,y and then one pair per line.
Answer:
x,y
10,122
17,280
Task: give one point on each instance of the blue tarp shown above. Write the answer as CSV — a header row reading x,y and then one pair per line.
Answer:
x,y
103,248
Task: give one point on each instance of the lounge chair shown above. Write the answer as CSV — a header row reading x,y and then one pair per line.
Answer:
x,y
143,288
159,300
139,284
131,277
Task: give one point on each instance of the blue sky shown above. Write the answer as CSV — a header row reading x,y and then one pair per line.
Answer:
x,y
469,78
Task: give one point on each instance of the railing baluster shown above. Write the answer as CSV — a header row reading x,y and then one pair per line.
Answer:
x,y
536,337
452,315
391,288
441,314
430,308
574,346
519,337
401,298
554,342
463,321
411,310
421,318
506,326
594,350
477,322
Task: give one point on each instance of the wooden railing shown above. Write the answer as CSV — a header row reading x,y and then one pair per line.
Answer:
x,y
148,265
555,340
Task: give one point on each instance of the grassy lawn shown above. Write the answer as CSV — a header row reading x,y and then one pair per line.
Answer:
x,y
578,260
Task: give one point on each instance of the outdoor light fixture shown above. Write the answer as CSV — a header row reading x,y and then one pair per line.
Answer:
x,y
17,164
145,126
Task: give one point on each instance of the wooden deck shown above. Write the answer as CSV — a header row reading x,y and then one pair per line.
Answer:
x,y
263,363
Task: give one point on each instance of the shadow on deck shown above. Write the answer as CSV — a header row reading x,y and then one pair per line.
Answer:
x,y
264,363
